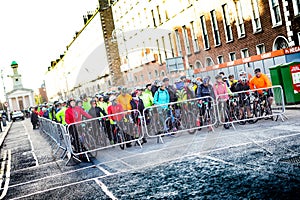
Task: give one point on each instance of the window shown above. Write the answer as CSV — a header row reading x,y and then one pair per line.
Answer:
x,y
275,12
186,41
159,54
204,32
171,45
178,44
164,46
159,17
220,59
150,76
298,38
136,78
209,62
156,73
142,77
239,19
232,56
280,43
260,49
162,73
198,64
215,28
153,17
296,4
227,26
194,38
255,16
245,53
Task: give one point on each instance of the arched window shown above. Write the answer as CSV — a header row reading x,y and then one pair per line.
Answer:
x,y
280,43
209,62
198,64
162,73
135,78
156,73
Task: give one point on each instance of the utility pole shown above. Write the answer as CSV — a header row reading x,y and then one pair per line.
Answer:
x,y
6,97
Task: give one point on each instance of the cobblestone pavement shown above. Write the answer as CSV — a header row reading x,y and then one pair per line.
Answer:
x,y
257,161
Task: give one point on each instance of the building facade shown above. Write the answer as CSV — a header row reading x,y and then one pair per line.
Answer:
x,y
199,34
138,42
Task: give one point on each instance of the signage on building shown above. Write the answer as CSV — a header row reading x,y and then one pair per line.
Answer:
x,y
295,72
174,64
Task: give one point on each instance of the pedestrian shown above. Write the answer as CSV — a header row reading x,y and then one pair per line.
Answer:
x,y
34,117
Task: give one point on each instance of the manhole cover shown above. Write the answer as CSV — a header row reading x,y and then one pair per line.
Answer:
x,y
293,160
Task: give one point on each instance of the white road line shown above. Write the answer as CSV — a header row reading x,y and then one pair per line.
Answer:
x,y
103,170
52,176
32,147
105,189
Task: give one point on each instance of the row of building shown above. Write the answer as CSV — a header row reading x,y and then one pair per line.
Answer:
x,y
134,42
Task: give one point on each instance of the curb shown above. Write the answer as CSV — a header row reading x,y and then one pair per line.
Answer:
x,y
4,133
292,108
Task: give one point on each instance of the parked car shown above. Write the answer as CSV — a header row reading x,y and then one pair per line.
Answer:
x,y
17,115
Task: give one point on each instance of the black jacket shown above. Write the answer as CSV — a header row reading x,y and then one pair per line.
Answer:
x,y
34,117
95,112
172,93
139,106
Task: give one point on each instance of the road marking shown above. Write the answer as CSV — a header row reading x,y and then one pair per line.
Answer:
x,y
103,170
32,147
105,189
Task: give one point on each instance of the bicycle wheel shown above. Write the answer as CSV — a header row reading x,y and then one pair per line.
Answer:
x,y
192,123
120,138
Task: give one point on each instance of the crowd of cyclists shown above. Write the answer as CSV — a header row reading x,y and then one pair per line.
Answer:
x,y
160,93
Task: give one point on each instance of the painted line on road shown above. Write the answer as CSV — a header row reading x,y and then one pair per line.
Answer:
x,y
105,189
103,170
31,144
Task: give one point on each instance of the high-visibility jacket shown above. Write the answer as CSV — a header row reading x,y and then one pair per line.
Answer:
x,y
262,82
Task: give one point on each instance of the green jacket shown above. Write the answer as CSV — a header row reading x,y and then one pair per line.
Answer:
x,y
61,116
86,105
147,98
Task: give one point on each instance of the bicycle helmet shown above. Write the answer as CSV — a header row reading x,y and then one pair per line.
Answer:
x,y
242,73
106,98
231,76
244,79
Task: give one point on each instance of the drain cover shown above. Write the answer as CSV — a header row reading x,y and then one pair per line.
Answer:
x,y
293,160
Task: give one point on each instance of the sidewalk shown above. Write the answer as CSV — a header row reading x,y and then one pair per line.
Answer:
x,y
4,132
293,107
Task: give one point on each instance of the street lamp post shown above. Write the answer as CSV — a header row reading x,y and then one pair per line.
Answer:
x,y
6,97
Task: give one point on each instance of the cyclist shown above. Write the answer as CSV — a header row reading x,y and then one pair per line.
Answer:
x,y
86,103
243,85
154,87
124,99
224,78
259,81
222,94
146,96
115,108
60,115
104,105
232,81
74,114
161,96
137,103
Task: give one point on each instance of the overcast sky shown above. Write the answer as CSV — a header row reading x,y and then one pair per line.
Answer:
x,y
34,32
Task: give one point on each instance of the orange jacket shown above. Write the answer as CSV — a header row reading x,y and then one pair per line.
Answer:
x,y
262,82
125,101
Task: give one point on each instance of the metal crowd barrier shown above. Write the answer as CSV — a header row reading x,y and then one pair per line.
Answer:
x,y
251,106
89,136
177,117
53,130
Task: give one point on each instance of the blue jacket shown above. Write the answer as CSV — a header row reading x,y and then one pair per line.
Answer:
x,y
161,97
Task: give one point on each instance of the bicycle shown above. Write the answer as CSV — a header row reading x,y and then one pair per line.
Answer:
x,y
88,142
118,135
204,116
187,117
261,106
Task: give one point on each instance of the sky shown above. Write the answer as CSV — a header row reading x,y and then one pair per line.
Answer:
x,y
35,32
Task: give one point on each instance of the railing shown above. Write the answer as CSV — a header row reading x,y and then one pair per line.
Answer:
x,y
178,117
251,105
87,137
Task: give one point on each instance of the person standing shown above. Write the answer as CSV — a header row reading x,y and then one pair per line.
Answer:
x,y
124,99
34,117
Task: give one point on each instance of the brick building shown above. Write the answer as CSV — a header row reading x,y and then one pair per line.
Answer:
x,y
196,35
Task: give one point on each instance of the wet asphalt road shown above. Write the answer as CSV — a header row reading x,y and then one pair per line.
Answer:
x,y
250,163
